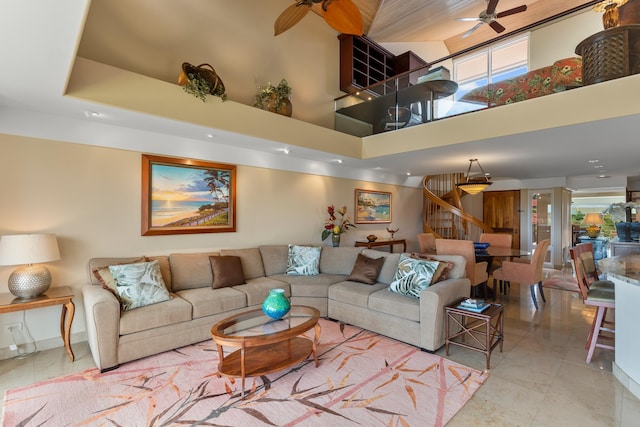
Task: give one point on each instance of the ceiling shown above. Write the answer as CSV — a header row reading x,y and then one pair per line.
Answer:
x,y
43,55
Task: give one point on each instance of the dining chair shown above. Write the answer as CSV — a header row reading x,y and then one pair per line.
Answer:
x,y
427,243
585,252
476,272
525,273
599,295
498,240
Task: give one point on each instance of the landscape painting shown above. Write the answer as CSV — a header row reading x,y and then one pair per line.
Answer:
x,y
181,196
373,207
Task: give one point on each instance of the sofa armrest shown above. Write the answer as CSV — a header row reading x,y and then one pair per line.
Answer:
x,y
432,303
102,315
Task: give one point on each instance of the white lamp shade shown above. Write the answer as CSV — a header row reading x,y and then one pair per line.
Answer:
x,y
28,249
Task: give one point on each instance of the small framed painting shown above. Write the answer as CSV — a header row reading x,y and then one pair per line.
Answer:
x,y
181,196
373,207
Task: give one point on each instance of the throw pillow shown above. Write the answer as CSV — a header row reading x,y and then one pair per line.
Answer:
x,y
227,271
366,270
105,278
139,284
444,267
303,260
413,276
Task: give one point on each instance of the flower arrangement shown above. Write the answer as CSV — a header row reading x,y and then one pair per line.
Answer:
x,y
330,225
618,211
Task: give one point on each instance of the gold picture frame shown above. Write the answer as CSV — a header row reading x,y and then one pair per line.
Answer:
x,y
182,196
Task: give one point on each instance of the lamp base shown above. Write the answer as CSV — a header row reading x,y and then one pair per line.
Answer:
x,y
29,281
593,231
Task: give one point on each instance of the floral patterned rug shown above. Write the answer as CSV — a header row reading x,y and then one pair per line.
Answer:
x,y
363,379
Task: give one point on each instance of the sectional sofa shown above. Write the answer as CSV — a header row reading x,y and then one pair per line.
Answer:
x,y
117,336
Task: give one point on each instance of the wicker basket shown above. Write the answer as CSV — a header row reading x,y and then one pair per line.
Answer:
x,y
210,75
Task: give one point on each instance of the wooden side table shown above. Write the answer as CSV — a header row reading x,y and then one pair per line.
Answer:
x,y
387,242
485,330
53,296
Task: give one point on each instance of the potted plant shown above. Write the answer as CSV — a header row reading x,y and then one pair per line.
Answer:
x,y
200,81
275,98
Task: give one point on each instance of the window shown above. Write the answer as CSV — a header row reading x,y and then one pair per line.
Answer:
x,y
492,64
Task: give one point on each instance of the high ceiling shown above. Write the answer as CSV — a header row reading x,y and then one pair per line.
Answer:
x,y
44,41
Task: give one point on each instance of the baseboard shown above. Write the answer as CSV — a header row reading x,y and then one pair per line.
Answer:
x,y
47,344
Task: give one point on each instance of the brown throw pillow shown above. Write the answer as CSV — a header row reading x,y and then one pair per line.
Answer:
x,y
227,271
366,269
443,270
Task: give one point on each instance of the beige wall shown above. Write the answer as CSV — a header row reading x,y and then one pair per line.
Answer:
x,y
90,198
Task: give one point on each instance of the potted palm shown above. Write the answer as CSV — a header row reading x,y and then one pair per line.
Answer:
x,y
275,98
200,81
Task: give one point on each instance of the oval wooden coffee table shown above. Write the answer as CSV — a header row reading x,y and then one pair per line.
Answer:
x,y
265,345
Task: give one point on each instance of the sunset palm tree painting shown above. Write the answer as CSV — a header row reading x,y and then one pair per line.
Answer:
x,y
186,196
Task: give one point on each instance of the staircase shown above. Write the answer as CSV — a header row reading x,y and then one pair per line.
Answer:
x,y
442,212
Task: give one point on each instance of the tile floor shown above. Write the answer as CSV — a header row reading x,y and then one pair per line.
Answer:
x,y
540,379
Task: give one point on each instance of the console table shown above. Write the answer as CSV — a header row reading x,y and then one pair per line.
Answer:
x,y
53,296
388,242
610,54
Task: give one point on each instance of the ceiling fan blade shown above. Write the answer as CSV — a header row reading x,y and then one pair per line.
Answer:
x,y
344,17
491,7
475,27
468,19
512,11
496,26
290,17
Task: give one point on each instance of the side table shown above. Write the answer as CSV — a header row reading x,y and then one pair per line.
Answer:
x,y
53,296
485,330
385,242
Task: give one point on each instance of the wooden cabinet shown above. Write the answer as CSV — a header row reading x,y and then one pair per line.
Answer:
x,y
363,63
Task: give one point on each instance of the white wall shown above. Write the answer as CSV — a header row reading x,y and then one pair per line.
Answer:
x,y
90,198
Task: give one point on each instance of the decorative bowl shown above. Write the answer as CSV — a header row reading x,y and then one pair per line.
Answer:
x,y
481,245
372,237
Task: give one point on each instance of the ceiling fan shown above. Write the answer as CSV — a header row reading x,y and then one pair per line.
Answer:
x,y
489,16
342,15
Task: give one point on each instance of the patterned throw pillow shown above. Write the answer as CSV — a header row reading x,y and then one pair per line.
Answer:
x,y
139,284
413,276
104,276
303,260
366,270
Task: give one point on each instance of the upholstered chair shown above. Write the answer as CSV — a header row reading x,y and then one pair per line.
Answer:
x,y
525,273
427,243
476,271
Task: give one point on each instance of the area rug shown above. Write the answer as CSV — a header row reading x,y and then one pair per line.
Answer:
x,y
363,379
556,279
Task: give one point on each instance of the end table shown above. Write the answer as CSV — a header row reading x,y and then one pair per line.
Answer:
x,y
485,329
53,296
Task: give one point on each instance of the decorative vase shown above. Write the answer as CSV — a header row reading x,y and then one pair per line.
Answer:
x,y
335,240
276,305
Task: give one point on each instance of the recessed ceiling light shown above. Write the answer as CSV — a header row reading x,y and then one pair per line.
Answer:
x,y
594,161
91,114
284,150
598,166
408,173
337,160
604,176
210,135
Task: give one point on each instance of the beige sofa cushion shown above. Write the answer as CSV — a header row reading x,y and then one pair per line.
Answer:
x,y
274,258
389,267
207,301
154,316
310,286
394,304
256,290
354,293
189,271
338,260
251,261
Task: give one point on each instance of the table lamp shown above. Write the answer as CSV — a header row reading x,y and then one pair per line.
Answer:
x,y
32,279
594,220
